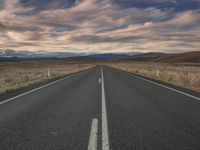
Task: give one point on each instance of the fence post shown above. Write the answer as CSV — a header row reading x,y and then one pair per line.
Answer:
x,y
49,73
157,72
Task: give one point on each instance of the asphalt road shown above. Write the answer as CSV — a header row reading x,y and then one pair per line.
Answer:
x,y
101,109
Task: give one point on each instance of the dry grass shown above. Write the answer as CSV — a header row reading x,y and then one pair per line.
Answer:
x,y
15,75
184,75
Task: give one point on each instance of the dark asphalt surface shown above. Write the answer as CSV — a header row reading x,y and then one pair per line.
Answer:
x,y
141,115
57,117
144,116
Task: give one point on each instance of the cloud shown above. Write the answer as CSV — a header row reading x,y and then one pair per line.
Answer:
x,y
186,18
97,26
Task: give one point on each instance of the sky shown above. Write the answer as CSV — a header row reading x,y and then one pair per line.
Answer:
x,y
100,26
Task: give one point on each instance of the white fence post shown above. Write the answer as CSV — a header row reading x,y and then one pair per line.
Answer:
x,y
158,72
49,73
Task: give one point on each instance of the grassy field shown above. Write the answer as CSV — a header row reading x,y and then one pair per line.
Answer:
x,y
183,75
15,75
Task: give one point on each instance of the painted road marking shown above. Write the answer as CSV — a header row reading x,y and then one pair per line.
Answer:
x,y
93,135
105,141
100,81
36,89
161,85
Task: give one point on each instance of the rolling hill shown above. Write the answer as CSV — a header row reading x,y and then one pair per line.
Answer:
x,y
188,57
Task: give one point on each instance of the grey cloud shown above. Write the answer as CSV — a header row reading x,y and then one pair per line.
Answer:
x,y
100,39
97,25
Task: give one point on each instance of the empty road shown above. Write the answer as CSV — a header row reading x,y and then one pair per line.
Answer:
x,y
100,109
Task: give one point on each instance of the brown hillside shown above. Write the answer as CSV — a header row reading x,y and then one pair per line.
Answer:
x,y
188,57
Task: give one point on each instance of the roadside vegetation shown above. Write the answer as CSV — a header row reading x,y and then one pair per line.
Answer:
x,y
183,75
15,75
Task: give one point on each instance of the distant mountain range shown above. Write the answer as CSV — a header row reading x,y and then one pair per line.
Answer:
x,y
37,54
11,55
